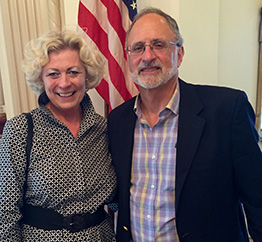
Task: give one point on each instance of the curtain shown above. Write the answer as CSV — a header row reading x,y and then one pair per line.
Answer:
x,y
21,21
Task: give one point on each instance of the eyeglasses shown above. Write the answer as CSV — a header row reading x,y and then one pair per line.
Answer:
x,y
157,46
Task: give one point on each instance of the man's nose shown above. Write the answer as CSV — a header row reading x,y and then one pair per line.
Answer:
x,y
148,52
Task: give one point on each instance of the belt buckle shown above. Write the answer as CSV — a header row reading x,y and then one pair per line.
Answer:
x,y
74,223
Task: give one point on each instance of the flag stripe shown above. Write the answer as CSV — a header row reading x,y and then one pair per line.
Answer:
x,y
113,16
100,89
104,23
102,42
86,20
114,97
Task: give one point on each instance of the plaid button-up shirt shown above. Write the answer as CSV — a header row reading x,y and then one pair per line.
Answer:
x,y
152,199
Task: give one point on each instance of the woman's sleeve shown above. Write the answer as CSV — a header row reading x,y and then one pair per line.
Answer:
x,y
12,177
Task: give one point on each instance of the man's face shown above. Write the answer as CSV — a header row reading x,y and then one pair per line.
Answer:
x,y
153,68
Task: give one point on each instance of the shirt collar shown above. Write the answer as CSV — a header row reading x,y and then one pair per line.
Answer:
x,y
90,117
173,104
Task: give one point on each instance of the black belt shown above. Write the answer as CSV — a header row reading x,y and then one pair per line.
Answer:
x,y
48,219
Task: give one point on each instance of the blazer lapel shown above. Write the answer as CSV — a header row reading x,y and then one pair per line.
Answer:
x,y
190,128
126,132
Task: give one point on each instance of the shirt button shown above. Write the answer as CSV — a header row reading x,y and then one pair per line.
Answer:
x,y
153,157
152,186
148,217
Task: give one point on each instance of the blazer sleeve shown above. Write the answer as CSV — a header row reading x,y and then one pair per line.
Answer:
x,y
247,162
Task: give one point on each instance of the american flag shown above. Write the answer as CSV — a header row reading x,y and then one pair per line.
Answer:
x,y
104,24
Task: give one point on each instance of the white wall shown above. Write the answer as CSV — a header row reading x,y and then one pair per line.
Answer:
x,y
170,7
238,45
220,40
221,43
199,26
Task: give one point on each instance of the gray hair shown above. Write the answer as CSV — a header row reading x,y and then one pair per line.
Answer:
x,y
36,55
172,22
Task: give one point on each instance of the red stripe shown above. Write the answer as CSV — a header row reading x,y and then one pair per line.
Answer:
x,y
115,17
86,20
103,90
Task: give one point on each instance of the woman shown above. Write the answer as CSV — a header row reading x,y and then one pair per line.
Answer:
x,y
69,177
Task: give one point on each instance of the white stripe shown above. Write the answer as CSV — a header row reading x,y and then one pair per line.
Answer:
x,y
98,9
115,48
114,97
124,10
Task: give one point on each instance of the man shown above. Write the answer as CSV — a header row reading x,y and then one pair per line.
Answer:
x,y
186,156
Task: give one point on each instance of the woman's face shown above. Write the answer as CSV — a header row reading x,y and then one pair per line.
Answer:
x,y
64,80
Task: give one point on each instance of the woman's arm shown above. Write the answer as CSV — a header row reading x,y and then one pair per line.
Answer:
x,y
12,177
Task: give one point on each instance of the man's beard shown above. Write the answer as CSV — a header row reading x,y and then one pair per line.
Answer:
x,y
155,80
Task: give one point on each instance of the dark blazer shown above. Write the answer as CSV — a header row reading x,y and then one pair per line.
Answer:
x,y
218,165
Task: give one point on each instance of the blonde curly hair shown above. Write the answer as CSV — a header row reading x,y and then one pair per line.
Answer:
x,y
36,55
